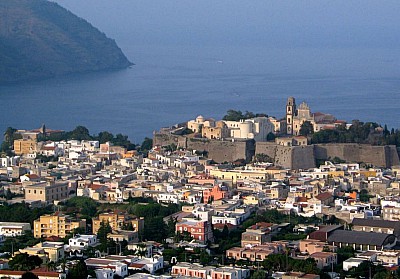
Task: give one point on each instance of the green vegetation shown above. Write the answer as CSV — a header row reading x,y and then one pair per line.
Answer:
x,y
227,239
153,213
79,271
102,233
359,132
19,242
259,274
29,275
236,115
281,262
147,145
274,216
47,41
82,133
21,212
365,196
9,137
25,262
306,128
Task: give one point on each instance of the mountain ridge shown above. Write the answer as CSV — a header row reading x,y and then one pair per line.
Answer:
x,y
40,39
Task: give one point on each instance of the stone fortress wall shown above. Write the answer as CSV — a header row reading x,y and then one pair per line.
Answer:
x,y
293,157
218,150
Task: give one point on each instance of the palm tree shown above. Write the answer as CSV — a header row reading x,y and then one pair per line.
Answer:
x,y
141,250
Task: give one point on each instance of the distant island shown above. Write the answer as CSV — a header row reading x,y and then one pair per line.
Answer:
x,y
40,39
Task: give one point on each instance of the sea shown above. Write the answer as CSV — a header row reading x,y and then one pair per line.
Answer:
x,y
170,84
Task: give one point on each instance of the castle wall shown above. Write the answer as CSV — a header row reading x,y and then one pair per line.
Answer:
x,y
218,150
384,156
293,157
303,157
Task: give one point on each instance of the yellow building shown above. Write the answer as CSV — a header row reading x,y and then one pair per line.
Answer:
x,y
47,192
236,175
24,146
56,225
118,222
251,200
47,251
218,132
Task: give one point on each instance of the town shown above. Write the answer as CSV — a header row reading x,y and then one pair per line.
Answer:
x,y
249,196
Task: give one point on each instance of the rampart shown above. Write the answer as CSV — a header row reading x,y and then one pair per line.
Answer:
x,y
382,156
293,157
218,150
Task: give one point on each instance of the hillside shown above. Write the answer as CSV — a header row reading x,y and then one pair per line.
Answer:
x,y
40,39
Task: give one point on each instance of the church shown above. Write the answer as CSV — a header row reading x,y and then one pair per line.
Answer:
x,y
296,116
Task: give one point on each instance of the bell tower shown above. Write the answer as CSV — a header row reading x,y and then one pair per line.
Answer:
x,y
290,112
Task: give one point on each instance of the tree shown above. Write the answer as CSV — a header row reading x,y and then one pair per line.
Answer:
x,y
171,226
102,234
25,262
259,274
233,115
306,128
344,253
141,250
204,258
29,275
80,133
9,136
271,136
79,271
147,145
105,136
84,205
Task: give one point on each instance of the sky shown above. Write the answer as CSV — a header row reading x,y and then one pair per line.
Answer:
x,y
280,23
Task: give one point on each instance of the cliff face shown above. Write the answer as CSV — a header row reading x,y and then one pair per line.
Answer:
x,y
40,39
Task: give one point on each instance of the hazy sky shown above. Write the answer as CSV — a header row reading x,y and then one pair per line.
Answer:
x,y
273,23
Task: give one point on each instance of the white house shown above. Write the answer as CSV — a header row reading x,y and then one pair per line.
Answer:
x,y
13,229
83,241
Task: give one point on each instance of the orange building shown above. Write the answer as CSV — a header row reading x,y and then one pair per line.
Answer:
x,y
215,193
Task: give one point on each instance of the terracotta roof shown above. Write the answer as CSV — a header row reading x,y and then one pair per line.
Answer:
x,y
137,265
38,273
324,196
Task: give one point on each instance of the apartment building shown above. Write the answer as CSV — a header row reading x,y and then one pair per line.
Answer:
x,y
258,234
56,225
46,191
199,230
13,229
118,222
204,272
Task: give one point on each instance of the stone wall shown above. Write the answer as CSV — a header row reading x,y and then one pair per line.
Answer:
x,y
295,157
383,156
303,157
218,150
224,151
